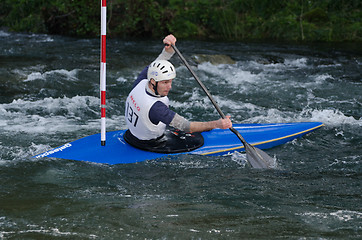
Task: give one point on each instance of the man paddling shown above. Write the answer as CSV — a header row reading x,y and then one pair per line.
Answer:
x,y
147,106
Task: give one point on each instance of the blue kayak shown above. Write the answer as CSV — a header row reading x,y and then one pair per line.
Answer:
x,y
215,142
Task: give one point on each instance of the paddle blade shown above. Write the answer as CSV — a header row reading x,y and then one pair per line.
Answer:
x,y
258,158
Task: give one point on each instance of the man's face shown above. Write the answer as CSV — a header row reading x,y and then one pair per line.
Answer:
x,y
164,87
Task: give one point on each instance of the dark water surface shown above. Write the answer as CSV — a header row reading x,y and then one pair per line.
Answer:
x,y
49,95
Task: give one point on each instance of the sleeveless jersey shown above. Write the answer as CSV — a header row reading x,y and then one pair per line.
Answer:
x,y
138,105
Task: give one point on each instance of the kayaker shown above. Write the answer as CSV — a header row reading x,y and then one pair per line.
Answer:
x,y
147,110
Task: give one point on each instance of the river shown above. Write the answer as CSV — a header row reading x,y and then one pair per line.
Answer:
x,y
49,95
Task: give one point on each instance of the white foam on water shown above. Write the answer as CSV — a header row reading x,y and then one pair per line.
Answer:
x,y
41,37
122,80
309,82
269,68
69,75
275,68
236,75
239,158
322,78
51,115
346,215
251,75
55,232
327,116
244,79
4,34
195,100
48,117
297,63
332,117
347,161
340,215
269,116
10,154
232,74
47,39
334,65
196,163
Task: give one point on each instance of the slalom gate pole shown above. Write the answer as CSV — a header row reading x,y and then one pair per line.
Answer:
x,y
103,71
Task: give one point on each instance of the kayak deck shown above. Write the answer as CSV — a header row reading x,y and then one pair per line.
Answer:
x,y
216,142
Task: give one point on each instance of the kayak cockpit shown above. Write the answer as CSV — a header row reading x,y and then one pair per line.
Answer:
x,y
172,141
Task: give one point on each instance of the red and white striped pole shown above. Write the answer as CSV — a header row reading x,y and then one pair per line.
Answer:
x,y
103,71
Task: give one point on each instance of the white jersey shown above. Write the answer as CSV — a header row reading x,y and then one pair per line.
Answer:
x,y
138,105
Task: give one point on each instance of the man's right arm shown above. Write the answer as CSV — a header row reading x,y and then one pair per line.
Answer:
x,y
181,123
222,123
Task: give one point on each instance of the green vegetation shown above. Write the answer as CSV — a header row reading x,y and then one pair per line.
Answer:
x,y
280,20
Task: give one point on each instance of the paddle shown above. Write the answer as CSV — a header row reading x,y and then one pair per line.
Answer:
x,y
256,157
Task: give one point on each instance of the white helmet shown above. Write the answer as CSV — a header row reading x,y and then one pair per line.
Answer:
x,y
161,70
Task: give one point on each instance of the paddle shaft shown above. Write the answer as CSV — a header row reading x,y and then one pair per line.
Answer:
x,y
207,93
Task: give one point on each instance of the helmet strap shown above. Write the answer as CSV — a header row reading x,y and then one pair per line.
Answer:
x,y
155,87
